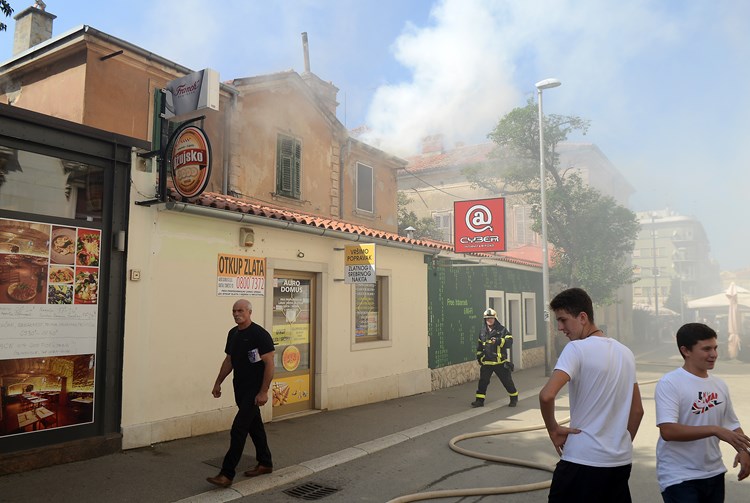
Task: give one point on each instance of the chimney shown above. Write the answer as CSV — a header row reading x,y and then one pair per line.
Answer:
x,y
33,26
433,144
306,50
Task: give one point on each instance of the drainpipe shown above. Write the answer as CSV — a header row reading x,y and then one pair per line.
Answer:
x,y
228,140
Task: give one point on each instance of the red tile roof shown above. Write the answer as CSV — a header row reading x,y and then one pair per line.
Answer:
x,y
229,203
459,156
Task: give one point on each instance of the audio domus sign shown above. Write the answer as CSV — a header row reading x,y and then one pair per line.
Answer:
x,y
190,161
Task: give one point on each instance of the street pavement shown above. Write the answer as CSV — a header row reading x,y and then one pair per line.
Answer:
x,y
401,446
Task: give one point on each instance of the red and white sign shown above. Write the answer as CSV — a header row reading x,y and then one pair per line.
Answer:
x,y
191,161
479,225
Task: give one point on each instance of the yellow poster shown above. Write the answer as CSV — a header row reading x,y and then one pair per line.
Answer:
x,y
290,390
290,333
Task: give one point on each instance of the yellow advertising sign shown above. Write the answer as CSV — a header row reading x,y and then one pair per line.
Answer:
x,y
359,263
360,254
238,275
290,390
290,333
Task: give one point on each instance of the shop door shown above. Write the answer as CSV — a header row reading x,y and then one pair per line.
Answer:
x,y
293,332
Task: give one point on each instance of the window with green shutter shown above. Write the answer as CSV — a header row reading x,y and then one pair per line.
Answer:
x,y
288,161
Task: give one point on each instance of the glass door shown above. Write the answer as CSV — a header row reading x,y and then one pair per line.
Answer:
x,y
293,334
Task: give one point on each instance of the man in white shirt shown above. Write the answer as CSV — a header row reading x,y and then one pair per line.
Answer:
x,y
605,407
693,412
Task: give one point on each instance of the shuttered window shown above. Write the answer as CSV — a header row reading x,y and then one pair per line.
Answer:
x,y
288,162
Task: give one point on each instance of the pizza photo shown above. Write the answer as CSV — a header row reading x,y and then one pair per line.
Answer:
x,y
87,249
21,291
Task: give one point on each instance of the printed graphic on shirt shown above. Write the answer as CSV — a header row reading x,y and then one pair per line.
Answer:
x,y
253,356
705,402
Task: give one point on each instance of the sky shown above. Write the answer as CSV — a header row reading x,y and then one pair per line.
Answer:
x,y
660,80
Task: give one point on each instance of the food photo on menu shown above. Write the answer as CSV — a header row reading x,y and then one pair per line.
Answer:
x,y
86,285
63,246
87,247
24,260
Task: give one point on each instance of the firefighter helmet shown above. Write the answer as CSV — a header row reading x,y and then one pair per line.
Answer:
x,y
490,313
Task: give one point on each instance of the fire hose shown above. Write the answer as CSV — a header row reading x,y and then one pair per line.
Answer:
x,y
486,491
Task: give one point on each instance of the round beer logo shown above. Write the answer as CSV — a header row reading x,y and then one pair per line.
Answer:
x,y
290,358
191,162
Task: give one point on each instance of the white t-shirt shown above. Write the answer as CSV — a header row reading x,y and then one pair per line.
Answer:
x,y
602,375
685,398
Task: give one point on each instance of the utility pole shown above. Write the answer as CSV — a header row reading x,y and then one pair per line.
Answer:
x,y
655,274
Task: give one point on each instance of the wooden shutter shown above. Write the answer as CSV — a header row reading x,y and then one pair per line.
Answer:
x,y
288,157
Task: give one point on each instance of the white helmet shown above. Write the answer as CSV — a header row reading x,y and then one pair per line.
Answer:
x,y
490,313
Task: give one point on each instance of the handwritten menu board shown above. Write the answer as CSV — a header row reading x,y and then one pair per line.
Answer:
x,y
49,289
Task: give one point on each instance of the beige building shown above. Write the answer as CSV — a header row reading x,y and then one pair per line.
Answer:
x,y
288,192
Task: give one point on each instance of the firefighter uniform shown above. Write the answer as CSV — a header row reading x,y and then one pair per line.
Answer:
x,y
493,354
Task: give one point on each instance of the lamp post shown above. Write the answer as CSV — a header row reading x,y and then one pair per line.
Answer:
x,y
541,86
655,274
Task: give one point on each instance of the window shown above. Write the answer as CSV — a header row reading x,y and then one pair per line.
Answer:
x,y
521,228
288,161
36,183
444,222
636,252
365,188
371,311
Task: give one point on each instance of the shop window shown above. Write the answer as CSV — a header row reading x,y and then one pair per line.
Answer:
x,y
44,185
288,166
365,192
371,317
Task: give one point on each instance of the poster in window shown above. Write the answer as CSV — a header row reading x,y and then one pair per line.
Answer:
x,y
366,310
49,280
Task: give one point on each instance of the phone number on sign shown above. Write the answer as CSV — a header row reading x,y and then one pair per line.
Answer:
x,y
242,285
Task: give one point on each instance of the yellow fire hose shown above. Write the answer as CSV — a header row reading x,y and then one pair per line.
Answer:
x,y
485,491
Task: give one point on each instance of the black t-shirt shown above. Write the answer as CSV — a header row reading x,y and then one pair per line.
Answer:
x,y
245,347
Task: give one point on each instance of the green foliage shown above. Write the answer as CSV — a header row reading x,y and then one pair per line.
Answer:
x,y
7,10
592,235
426,228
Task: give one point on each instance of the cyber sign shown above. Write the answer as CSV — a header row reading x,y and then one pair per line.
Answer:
x,y
479,225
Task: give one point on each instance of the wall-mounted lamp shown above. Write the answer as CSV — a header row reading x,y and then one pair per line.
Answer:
x,y
300,254
247,236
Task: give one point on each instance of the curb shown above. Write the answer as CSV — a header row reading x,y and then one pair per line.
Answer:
x,y
299,471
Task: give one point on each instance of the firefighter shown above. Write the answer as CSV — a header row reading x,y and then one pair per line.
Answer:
x,y
493,354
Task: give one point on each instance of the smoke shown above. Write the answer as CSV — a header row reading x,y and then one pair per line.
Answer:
x,y
661,82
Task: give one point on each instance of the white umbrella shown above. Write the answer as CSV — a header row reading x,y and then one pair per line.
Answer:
x,y
721,299
732,324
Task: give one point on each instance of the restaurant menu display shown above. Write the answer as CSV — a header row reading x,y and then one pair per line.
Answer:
x,y
49,290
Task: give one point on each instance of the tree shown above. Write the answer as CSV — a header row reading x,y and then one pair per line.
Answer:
x,y
7,10
592,235
425,227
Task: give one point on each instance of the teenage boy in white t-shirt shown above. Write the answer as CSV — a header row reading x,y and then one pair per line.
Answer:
x,y
693,412
605,407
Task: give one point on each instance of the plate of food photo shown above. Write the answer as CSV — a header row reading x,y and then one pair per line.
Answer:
x,y
86,286
87,249
63,245
21,291
60,274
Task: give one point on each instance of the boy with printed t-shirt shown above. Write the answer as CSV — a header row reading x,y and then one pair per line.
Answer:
x,y
693,412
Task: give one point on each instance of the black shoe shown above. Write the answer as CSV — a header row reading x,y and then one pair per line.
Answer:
x,y
477,403
513,401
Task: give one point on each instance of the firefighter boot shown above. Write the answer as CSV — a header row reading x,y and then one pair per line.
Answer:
x,y
479,402
513,401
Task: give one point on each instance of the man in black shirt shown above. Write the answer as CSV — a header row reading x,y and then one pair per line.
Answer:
x,y
249,354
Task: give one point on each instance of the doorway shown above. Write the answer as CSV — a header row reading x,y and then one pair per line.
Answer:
x,y
513,324
293,332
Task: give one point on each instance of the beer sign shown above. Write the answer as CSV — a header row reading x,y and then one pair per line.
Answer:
x,y
191,161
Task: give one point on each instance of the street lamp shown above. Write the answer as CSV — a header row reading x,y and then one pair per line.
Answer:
x,y
540,86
